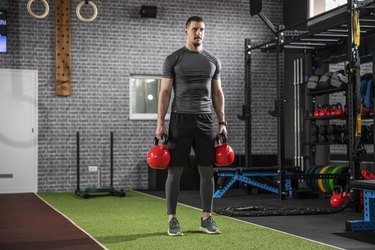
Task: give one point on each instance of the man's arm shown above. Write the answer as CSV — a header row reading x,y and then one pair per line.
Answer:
x,y
164,97
218,103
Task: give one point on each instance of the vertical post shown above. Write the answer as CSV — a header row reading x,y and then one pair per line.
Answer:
x,y
373,105
300,116
281,118
295,112
77,147
99,178
247,106
311,104
111,171
353,99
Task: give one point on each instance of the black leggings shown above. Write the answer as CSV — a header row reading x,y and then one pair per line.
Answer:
x,y
172,187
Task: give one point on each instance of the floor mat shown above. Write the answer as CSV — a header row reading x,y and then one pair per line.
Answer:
x,y
139,221
368,237
29,223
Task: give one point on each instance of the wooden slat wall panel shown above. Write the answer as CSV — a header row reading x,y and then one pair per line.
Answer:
x,y
63,50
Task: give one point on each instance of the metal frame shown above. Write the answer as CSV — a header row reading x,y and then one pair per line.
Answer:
x,y
368,223
92,191
247,107
325,31
245,177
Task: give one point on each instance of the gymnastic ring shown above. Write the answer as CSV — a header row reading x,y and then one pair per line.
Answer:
x,y
46,11
78,10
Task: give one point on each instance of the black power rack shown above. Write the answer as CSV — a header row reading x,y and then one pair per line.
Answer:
x,y
324,33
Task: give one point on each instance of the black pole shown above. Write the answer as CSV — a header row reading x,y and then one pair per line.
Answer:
x,y
111,159
247,107
78,177
281,117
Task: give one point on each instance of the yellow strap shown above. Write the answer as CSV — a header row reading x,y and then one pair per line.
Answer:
x,y
358,129
356,28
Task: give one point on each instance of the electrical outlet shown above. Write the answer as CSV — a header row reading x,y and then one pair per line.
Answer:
x,y
93,168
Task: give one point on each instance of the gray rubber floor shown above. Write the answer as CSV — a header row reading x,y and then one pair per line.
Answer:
x,y
326,228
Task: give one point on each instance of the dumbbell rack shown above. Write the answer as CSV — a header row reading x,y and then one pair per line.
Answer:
x,y
328,134
323,132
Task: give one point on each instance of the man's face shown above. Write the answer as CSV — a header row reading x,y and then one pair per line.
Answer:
x,y
195,33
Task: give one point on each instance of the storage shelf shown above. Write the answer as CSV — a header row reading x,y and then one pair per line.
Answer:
x,y
330,117
327,91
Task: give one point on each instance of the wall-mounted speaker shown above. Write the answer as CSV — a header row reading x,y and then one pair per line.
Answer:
x,y
148,11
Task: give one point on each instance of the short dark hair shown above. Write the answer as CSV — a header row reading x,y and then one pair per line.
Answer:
x,y
194,19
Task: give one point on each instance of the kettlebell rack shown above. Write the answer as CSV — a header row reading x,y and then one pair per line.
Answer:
x,y
333,35
99,190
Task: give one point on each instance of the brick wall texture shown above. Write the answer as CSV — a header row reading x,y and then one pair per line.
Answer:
x,y
104,53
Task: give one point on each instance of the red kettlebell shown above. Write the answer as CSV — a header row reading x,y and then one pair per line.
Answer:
x,y
317,111
334,109
329,110
339,110
159,157
323,111
224,153
367,175
338,197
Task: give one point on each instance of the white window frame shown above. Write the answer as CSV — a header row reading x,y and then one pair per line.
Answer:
x,y
143,116
328,5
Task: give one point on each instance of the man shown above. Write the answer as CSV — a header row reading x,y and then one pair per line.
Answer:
x,y
194,75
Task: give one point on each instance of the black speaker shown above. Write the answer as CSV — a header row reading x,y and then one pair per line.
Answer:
x,y
148,11
255,7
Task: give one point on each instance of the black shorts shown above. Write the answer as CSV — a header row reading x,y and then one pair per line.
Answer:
x,y
191,130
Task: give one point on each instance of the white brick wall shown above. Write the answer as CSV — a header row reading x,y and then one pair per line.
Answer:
x,y
105,52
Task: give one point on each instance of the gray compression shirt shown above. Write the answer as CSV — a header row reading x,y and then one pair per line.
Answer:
x,y
192,73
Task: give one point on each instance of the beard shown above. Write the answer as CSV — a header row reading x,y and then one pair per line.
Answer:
x,y
197,42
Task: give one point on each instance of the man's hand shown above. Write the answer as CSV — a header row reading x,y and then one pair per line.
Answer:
x,y
160,129
222,129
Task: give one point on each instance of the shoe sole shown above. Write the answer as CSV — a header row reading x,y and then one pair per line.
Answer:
x,y
205,230
176,234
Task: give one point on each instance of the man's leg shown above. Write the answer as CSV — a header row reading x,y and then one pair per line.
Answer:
x,y
207,186
208,224
204,147
172,189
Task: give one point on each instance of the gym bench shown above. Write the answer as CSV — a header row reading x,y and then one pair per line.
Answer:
x,y
245,175
368,224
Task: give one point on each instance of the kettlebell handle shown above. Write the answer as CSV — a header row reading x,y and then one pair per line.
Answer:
x,y
164,137
224,138
338,189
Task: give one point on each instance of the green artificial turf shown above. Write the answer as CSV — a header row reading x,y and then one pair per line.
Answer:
x,y
139,221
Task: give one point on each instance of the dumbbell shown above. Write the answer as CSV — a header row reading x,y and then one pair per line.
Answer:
x,y
323,133
343,134
333,134
314,134
364,134
370,136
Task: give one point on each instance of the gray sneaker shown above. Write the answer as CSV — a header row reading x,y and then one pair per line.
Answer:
x,y
174,228
209,226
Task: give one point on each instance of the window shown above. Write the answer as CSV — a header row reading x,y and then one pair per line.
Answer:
x,y
319,6
143,96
